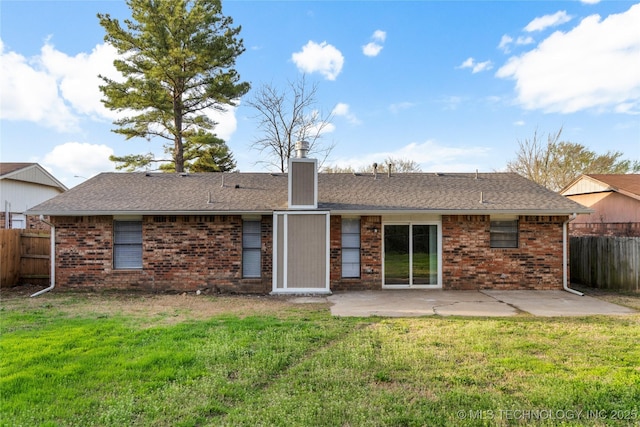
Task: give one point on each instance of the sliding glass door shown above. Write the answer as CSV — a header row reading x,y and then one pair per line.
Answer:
x,y
411,255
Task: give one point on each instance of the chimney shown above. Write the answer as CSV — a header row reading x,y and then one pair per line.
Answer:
x,y
375,171
302,148
303,179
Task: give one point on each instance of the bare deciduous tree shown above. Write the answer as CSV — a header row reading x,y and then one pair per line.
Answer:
x,y
287,116
402,165
398,165
556,163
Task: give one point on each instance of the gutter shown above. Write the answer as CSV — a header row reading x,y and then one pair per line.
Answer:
x,y
565,245
53,259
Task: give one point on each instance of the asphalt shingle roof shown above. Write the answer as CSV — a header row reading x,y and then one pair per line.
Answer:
x,y
7,168
129,193
626,182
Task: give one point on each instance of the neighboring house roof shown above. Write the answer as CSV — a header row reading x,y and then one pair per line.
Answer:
x,y
627,184
211,193
29,172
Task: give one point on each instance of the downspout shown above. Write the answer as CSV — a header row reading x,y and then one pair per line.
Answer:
x,y
565,245
52,272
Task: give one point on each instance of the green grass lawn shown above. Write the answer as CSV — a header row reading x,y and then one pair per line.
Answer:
x,y
79,360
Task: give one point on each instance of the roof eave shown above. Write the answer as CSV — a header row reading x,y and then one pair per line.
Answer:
x,y
148,213
57,183
542,212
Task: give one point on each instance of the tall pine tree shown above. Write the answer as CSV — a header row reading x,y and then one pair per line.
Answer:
x,y
177,58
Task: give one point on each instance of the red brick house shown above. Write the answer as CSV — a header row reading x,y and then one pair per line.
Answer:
x,y
305,232
615,200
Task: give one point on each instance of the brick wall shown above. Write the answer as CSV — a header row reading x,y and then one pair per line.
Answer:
x,y
470,263
180,253
205,252
370,255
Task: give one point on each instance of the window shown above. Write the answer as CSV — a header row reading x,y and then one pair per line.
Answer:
x,y
18,221
251,249
127,244
504,234
350,247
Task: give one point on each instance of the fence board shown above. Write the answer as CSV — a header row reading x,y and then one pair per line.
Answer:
x,y
606,262
9,257
24,255
35,257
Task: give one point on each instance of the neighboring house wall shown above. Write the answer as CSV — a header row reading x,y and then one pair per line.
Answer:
x,y
17,197
615,215
187,253
30,222
470,263
608,207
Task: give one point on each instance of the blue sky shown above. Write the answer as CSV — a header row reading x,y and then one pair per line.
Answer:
x,y
453,85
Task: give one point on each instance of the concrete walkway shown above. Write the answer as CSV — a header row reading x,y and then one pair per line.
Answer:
x,y
413,303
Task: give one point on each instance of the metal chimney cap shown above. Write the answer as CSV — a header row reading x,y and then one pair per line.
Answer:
x,y
302,148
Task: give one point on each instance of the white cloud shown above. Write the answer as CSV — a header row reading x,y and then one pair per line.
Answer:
x,y
320,127
593,66
430,155
397,107
590,1
451,102
524,40
519,123
476,67
371,49
379,35
78,158
31,94
323,58
56,90
77,76
546,21
505,41
343,110
375,47
226,122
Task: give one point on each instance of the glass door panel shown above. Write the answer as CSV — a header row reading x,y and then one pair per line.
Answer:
x,y
396,255
411,254
425,255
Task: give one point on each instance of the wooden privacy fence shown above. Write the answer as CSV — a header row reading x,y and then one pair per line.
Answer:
x,y
24,257
606,262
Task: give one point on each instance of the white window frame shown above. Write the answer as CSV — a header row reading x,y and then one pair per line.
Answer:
x,y
247,249
128,244
438,225
496,230
351,248
18,221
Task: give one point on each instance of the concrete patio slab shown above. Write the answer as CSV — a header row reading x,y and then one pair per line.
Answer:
x,y
486,303
557,303
413,303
